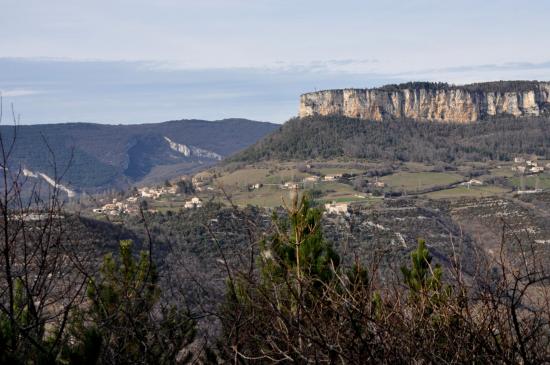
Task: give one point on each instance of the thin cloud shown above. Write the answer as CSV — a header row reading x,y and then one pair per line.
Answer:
x,y
19,92
507,66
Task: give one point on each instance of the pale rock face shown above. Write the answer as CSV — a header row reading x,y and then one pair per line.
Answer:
x,y
545,92
188,151
529,105
49,180
453,104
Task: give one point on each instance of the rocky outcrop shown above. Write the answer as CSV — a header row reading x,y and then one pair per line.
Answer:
x,y
432,101
28,173
192,151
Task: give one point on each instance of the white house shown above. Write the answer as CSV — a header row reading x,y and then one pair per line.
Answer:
x,y
332,177
312,179
148,193
193,203
290,185
336,208
472,182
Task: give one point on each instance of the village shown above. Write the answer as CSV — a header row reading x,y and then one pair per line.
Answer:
x,y
336,187
139,198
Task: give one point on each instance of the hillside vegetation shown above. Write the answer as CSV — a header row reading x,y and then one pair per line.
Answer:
x,y
494,86
402,140
103,156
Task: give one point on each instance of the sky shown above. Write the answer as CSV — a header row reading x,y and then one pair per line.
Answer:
x,y
135,61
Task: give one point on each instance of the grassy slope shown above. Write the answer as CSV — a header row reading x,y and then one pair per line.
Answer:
x,y
420,180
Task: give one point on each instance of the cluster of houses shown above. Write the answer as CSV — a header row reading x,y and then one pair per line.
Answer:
x,y
524,166
201,182
157,192
131,204
117,207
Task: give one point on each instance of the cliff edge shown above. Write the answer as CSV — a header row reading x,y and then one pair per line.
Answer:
x,y
432,101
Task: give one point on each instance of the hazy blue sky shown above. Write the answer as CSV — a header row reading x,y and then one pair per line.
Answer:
x,y
126,61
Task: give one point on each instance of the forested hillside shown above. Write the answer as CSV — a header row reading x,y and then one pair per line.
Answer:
x,y
403,140
100,156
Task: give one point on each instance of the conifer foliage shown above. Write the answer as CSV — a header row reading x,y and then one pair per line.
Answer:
x,y
297,247
124,321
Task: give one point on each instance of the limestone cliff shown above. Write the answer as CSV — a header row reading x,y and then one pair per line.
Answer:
x,y
432,101
189,151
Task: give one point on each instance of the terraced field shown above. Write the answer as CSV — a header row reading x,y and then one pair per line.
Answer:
x,y
411,181
531,182
463,191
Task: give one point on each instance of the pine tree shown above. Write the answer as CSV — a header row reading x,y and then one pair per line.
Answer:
x,y
123,321
298,248
424,279
421,276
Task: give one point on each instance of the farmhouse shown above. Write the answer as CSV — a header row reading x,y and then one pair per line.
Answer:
x,y
193,203
311,179
472,182
336,208
520,169
332,177
290,185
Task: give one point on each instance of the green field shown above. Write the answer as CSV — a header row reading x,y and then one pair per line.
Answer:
x,y
417,167
504,171
415,177
248,176
531,182
333,191
271,196
338,170
282,176
244,177
411,181
463,191
263,197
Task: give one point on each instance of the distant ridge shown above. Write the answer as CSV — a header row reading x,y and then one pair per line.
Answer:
x,y
102,156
